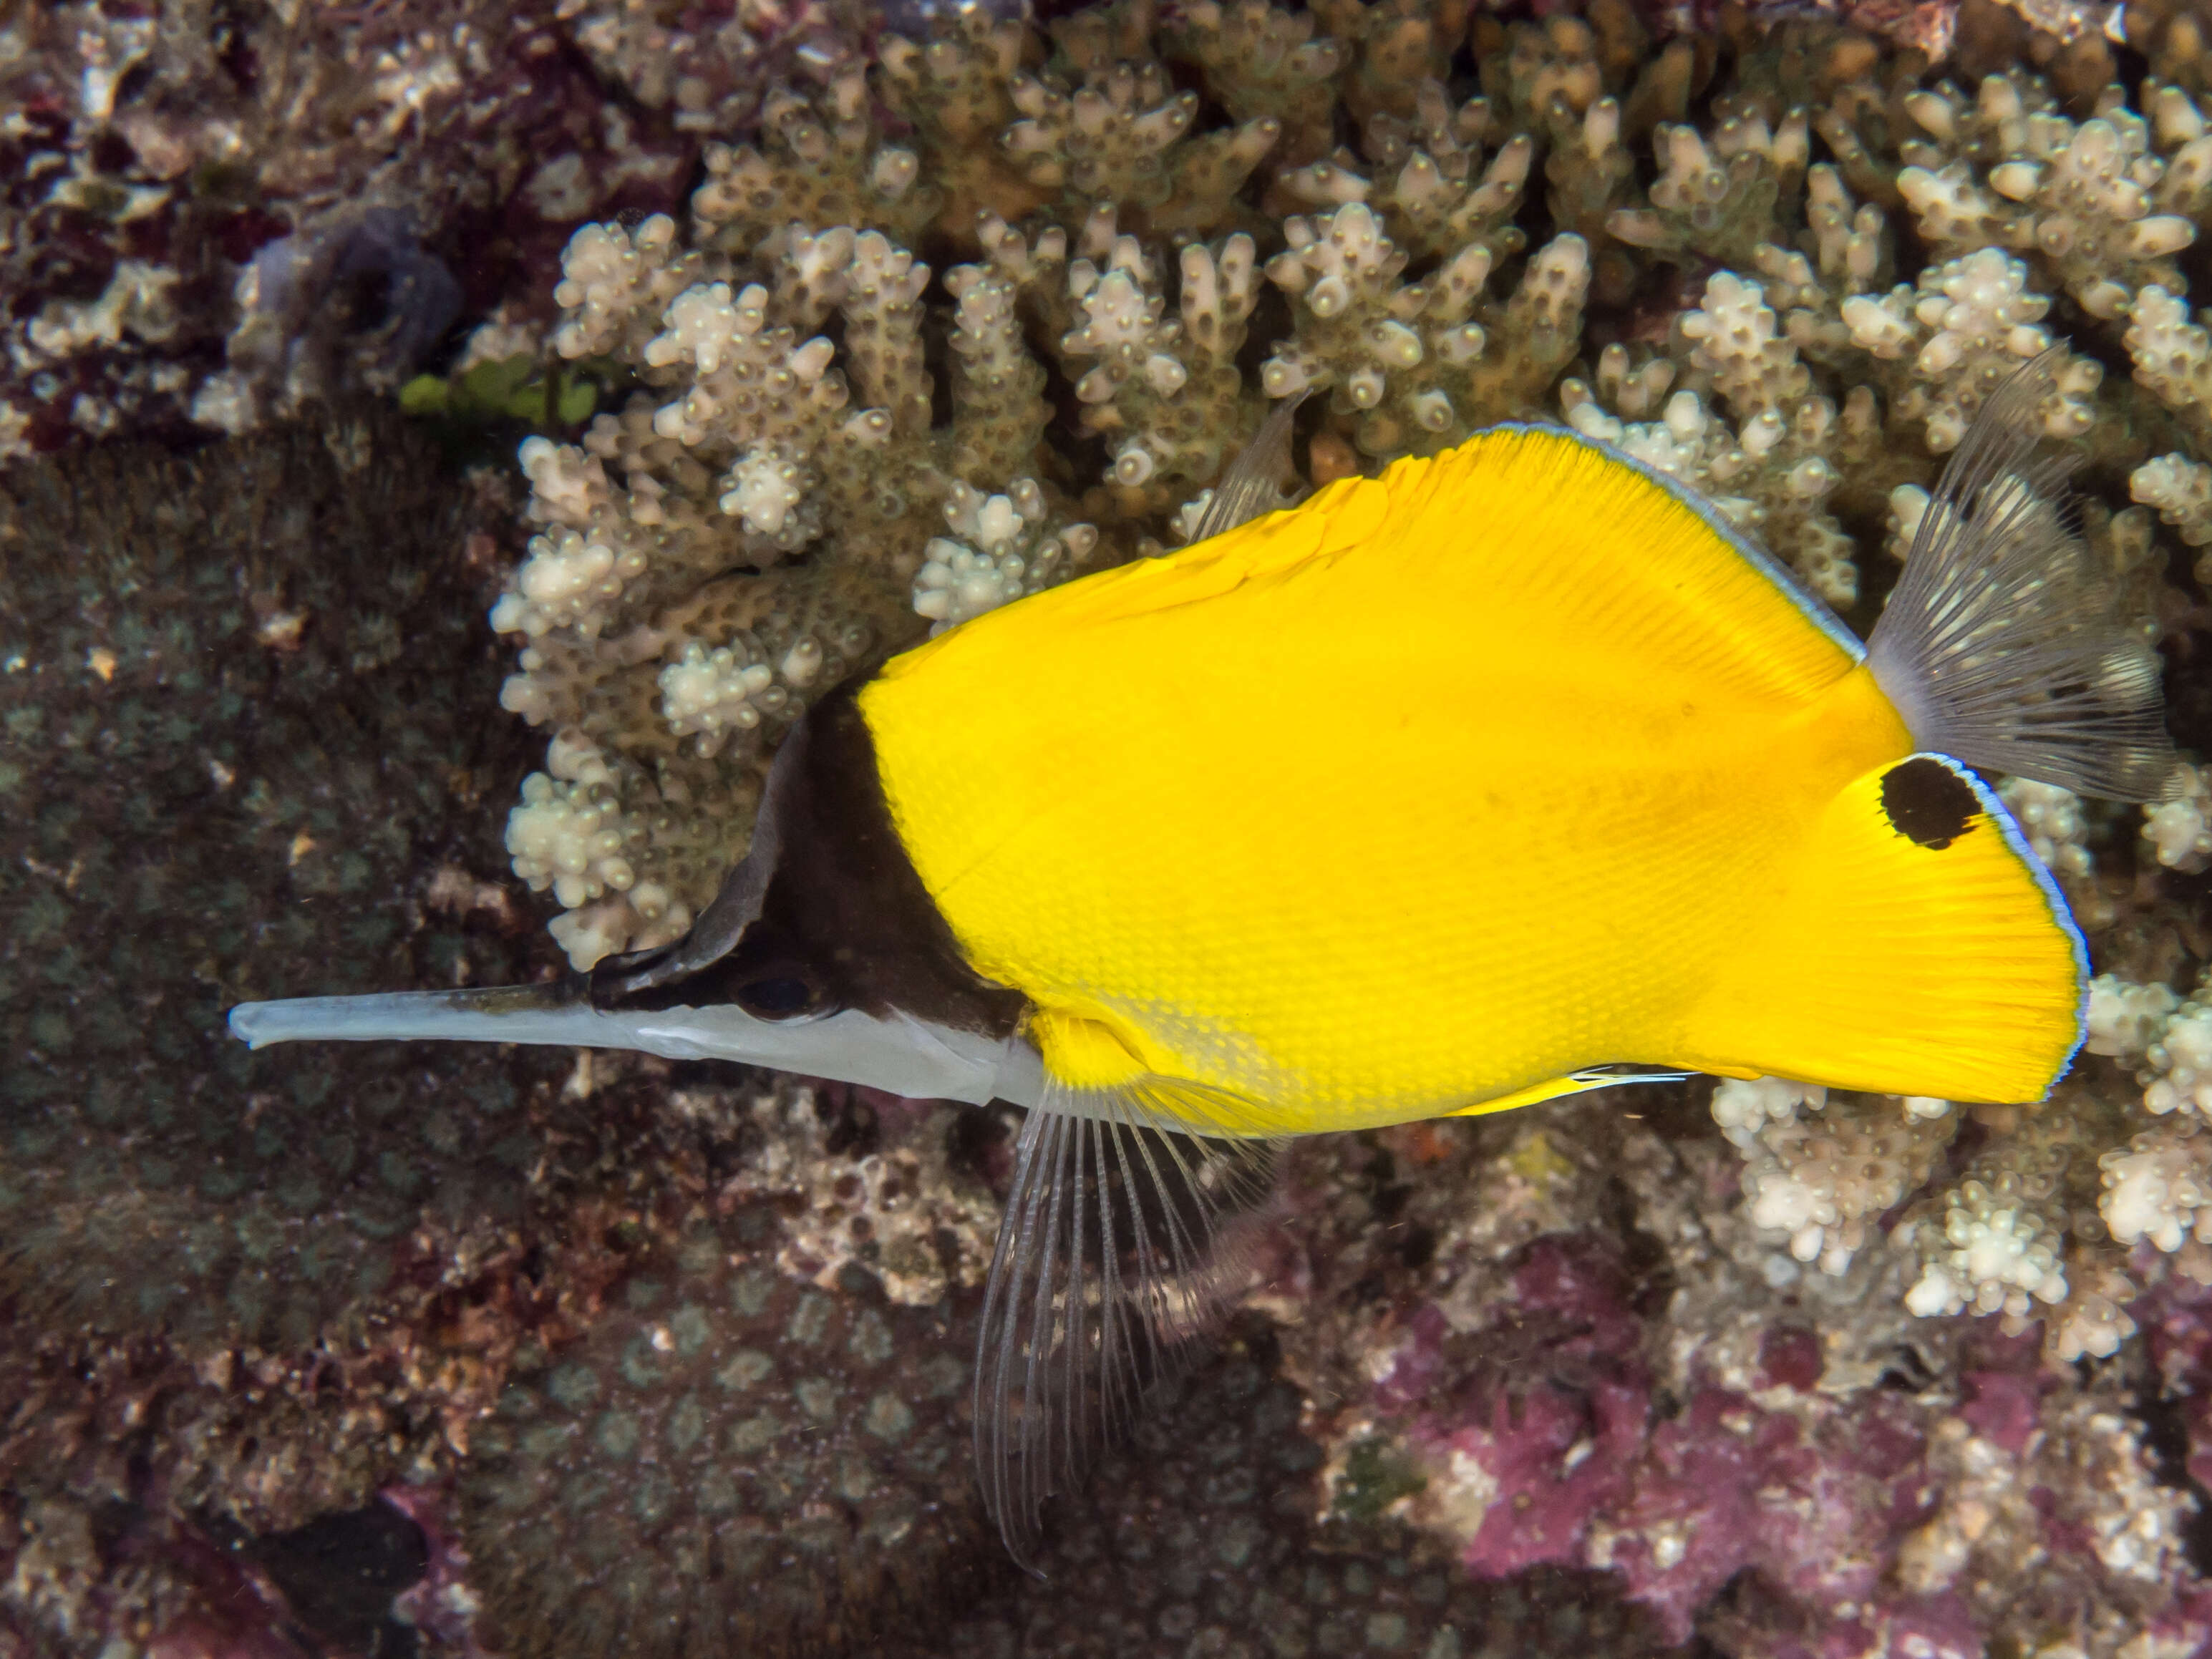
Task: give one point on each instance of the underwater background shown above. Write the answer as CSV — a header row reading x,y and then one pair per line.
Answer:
x,y
444,445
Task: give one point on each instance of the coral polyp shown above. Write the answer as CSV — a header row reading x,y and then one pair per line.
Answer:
x,y
796,1456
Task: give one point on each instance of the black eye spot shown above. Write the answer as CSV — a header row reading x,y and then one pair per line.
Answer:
x,y
1927,802
776,999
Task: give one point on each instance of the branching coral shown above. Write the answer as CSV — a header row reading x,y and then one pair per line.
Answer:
x,y
2178,827
2052,820
1263,62
1123,137
1427,179
1772,472
2179,1061
1966,325
1718,199
664,667
2159,1186
1998,1244
2181,490
1163,391
2096,205
819,161
1424,363
999,551
2125,1020
1823,1181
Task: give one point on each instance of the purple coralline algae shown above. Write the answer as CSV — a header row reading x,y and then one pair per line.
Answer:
x,y
1786,1464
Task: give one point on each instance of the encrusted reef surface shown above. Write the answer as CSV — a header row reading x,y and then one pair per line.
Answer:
x,y
212,214
832,325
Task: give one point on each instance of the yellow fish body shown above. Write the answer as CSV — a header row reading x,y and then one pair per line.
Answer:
x,y
1504,775
1448,784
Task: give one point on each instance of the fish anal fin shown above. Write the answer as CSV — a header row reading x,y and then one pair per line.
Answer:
x,y
1574,1083
1915,947
1123,1244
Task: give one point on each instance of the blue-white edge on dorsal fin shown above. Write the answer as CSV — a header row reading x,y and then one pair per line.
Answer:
x,y
1814,607
2008,827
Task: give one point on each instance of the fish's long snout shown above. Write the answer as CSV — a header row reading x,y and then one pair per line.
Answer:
x,y
556,1012
900,1053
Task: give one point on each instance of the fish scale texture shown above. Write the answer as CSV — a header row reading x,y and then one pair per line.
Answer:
x,y
1264,810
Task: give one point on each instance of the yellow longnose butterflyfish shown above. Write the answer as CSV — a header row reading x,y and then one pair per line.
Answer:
x,y
1510,773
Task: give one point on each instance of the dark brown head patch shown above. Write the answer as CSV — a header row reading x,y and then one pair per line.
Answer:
x,y
1927,802
843,921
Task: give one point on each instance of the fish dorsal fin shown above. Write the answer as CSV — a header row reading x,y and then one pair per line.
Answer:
x,y
1528,540
1122,1243
1915,947
1252,486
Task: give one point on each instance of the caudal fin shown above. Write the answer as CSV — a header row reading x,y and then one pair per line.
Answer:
x,y
2003,644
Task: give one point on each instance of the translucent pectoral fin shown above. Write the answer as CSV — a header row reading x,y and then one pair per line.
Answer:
x,y
2007,642
1123,1242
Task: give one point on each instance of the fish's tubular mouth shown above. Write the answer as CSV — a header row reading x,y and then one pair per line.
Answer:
x,y
493,1014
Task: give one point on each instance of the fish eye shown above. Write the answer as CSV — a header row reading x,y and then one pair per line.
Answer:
x,y
779,996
